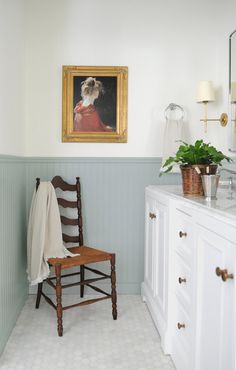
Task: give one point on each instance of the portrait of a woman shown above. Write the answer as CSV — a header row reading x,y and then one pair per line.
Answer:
x,y
86,116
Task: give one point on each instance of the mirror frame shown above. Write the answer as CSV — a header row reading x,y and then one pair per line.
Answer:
x,y
231,149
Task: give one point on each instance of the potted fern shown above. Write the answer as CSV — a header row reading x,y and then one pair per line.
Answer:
x,y
195,160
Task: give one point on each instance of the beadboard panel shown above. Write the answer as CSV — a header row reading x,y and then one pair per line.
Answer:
x,y
13,282
113,213
113,205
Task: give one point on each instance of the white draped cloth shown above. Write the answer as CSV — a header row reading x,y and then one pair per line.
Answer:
x,y
172,134
44,236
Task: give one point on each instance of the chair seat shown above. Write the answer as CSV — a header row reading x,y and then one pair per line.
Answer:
x,y
87,255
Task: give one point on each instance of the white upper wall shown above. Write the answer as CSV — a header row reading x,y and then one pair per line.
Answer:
x,y
168,47
12,83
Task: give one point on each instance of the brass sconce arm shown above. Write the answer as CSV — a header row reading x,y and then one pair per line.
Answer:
x,y
223,119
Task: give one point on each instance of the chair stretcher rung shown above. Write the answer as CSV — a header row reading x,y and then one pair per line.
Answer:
x,y
96,271
51,283
89,301
62,276
48,300
98,290
84,282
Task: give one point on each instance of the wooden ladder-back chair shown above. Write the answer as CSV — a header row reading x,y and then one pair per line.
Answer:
x,y
87,255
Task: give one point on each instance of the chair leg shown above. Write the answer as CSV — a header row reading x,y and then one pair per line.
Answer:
x,y
58,296
39,293
113,287
81,279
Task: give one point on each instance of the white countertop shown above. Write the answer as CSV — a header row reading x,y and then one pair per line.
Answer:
x,y
222,205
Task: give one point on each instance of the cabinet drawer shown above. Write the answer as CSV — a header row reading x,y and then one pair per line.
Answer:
x,y
182,322
183,234
182,280
181,355
181,350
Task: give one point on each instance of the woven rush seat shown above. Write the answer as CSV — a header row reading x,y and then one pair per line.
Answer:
x,y
87,255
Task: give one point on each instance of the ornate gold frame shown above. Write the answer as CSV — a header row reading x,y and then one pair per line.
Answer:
x,y
68,133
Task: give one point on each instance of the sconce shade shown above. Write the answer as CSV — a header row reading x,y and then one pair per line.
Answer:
x,y
205,92
233,92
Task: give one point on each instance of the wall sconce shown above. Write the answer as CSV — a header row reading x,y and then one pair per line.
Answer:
x,y
205,95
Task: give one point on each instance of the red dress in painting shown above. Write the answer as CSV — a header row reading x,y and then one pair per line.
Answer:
x,y
87,119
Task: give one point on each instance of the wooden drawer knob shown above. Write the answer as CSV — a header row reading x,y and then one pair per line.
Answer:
x,y
181,234
224,274
182,280
152,215
180,326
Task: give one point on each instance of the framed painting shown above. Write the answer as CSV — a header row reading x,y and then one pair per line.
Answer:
x,y
94,104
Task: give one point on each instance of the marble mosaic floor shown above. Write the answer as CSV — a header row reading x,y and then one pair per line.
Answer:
x,y
91,341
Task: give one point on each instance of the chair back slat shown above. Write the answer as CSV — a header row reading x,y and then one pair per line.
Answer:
x,y
70,239
69,221
58,182
66,203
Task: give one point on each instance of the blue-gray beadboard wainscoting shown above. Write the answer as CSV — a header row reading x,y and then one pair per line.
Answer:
x,y
113,205
113,215
13,282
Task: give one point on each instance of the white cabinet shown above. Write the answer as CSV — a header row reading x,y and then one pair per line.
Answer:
x,y
215,302
193,304
154,287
